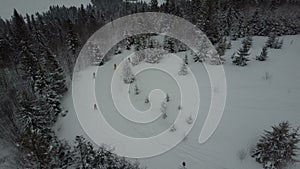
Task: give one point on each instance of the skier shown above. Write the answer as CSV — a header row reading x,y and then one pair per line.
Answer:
x,y
115,66
95,107
94,75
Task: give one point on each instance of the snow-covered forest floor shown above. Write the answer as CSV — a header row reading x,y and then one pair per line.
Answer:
x,y
259,95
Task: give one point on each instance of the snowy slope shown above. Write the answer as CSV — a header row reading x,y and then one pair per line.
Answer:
x,y
253,104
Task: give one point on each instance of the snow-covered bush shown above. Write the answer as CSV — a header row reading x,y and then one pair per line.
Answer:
x,y
242,154
128,76
199,57
277,148
147,100
274,42
163,109
153,55
263,55
173,128
137,57
190,120
118,50
214,58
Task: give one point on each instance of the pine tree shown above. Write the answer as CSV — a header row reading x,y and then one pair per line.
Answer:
x,y
263,55
248,41
73,43
45,92
154,6
271,41
29,62
169,45
56,74
186,61
277,148
128,76
240,58
183,70
278,44
167,97
221,47
73,40
29,114
84,154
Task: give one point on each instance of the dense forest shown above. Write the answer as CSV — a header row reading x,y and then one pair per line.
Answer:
x,y
38,53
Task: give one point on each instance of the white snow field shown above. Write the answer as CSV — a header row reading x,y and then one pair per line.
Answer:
x,y
254,103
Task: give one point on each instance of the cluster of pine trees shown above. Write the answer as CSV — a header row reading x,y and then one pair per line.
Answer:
x,y
38,53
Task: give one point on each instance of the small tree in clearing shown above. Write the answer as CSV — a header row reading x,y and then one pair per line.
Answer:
x,y
240,58
248,41
128,76
271,40
263,55
183,70
277,148
167,98
186,60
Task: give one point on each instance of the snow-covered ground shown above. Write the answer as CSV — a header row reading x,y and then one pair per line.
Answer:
x,y
254,103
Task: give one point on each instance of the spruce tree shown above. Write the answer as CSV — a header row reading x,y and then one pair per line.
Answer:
x,y
277,148
271,40
240,58
221,47
169,45
56,77
186,61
